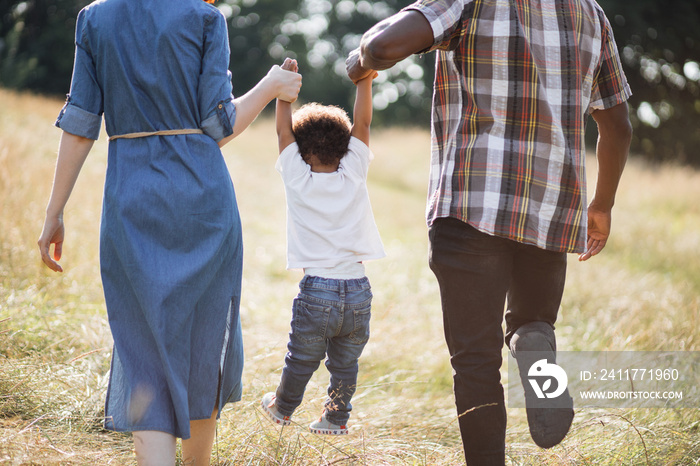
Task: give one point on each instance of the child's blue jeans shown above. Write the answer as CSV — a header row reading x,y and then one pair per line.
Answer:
x,y
330,318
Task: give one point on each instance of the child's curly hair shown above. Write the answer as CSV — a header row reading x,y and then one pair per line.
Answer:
x,y
323,131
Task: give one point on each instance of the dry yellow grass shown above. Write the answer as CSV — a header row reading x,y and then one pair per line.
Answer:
x,y
641,294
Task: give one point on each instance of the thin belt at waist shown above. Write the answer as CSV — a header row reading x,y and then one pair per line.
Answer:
x,y
165,132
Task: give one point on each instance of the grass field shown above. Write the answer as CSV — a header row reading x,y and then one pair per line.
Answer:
x,y
642,293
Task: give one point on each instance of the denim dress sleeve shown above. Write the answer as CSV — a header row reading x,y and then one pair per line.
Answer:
x,y
82,113
215,89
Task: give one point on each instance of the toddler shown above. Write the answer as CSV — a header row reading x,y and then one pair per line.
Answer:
x,y
330,231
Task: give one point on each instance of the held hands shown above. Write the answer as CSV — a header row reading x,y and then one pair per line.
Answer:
x,y
286,79
353,66
290,65
52,233
367,80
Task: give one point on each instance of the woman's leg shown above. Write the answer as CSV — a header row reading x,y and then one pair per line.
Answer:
x,y
197,449
154,448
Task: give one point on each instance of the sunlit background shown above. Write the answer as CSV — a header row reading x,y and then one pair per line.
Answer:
x,y
642,293
659,43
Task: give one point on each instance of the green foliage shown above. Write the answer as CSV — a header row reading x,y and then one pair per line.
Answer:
x,y
37,44
660,46
320,34
659,43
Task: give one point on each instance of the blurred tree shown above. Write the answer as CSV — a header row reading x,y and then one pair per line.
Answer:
x,y
659,44
36,44
319,34
660,47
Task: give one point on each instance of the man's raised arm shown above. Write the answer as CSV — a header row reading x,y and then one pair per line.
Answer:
x,y
388,42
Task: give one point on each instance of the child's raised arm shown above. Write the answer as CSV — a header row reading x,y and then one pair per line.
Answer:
x,y
278,83
283,113
362,113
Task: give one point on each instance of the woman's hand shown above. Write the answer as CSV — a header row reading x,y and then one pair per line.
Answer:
x,y
52,233
72,152
287,82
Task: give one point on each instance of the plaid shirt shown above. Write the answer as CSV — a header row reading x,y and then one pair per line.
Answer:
x,y
515,81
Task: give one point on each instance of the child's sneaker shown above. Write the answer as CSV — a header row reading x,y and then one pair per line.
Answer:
x,y
268,405
324,426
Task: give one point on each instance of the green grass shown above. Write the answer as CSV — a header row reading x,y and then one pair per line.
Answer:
x,y
642,293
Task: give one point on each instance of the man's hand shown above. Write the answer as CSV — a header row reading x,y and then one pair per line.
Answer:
x,y
353,66
599,222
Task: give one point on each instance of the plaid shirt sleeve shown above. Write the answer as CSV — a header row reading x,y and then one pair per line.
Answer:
x,y
445,18
610,86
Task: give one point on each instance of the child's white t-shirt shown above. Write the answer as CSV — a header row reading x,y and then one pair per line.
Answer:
x,y
329,216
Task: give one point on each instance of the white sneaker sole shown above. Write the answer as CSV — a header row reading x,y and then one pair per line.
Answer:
x,y
328,431
273,418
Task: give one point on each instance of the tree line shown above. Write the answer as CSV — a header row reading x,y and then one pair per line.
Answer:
x,y
659,43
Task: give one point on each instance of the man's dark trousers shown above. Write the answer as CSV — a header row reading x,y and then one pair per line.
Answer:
x,y
477,272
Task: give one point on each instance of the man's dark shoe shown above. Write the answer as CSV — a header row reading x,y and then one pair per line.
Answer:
x,y
549,411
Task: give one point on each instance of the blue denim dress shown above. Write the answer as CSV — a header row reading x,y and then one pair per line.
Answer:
x,y
170,241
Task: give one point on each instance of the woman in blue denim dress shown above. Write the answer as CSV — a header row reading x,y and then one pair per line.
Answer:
x,y
170,241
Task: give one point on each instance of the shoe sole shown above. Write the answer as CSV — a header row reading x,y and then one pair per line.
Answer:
x,y
328,431
275,419
548,425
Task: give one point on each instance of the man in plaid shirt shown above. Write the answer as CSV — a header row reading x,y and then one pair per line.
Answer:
x,y
515,82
